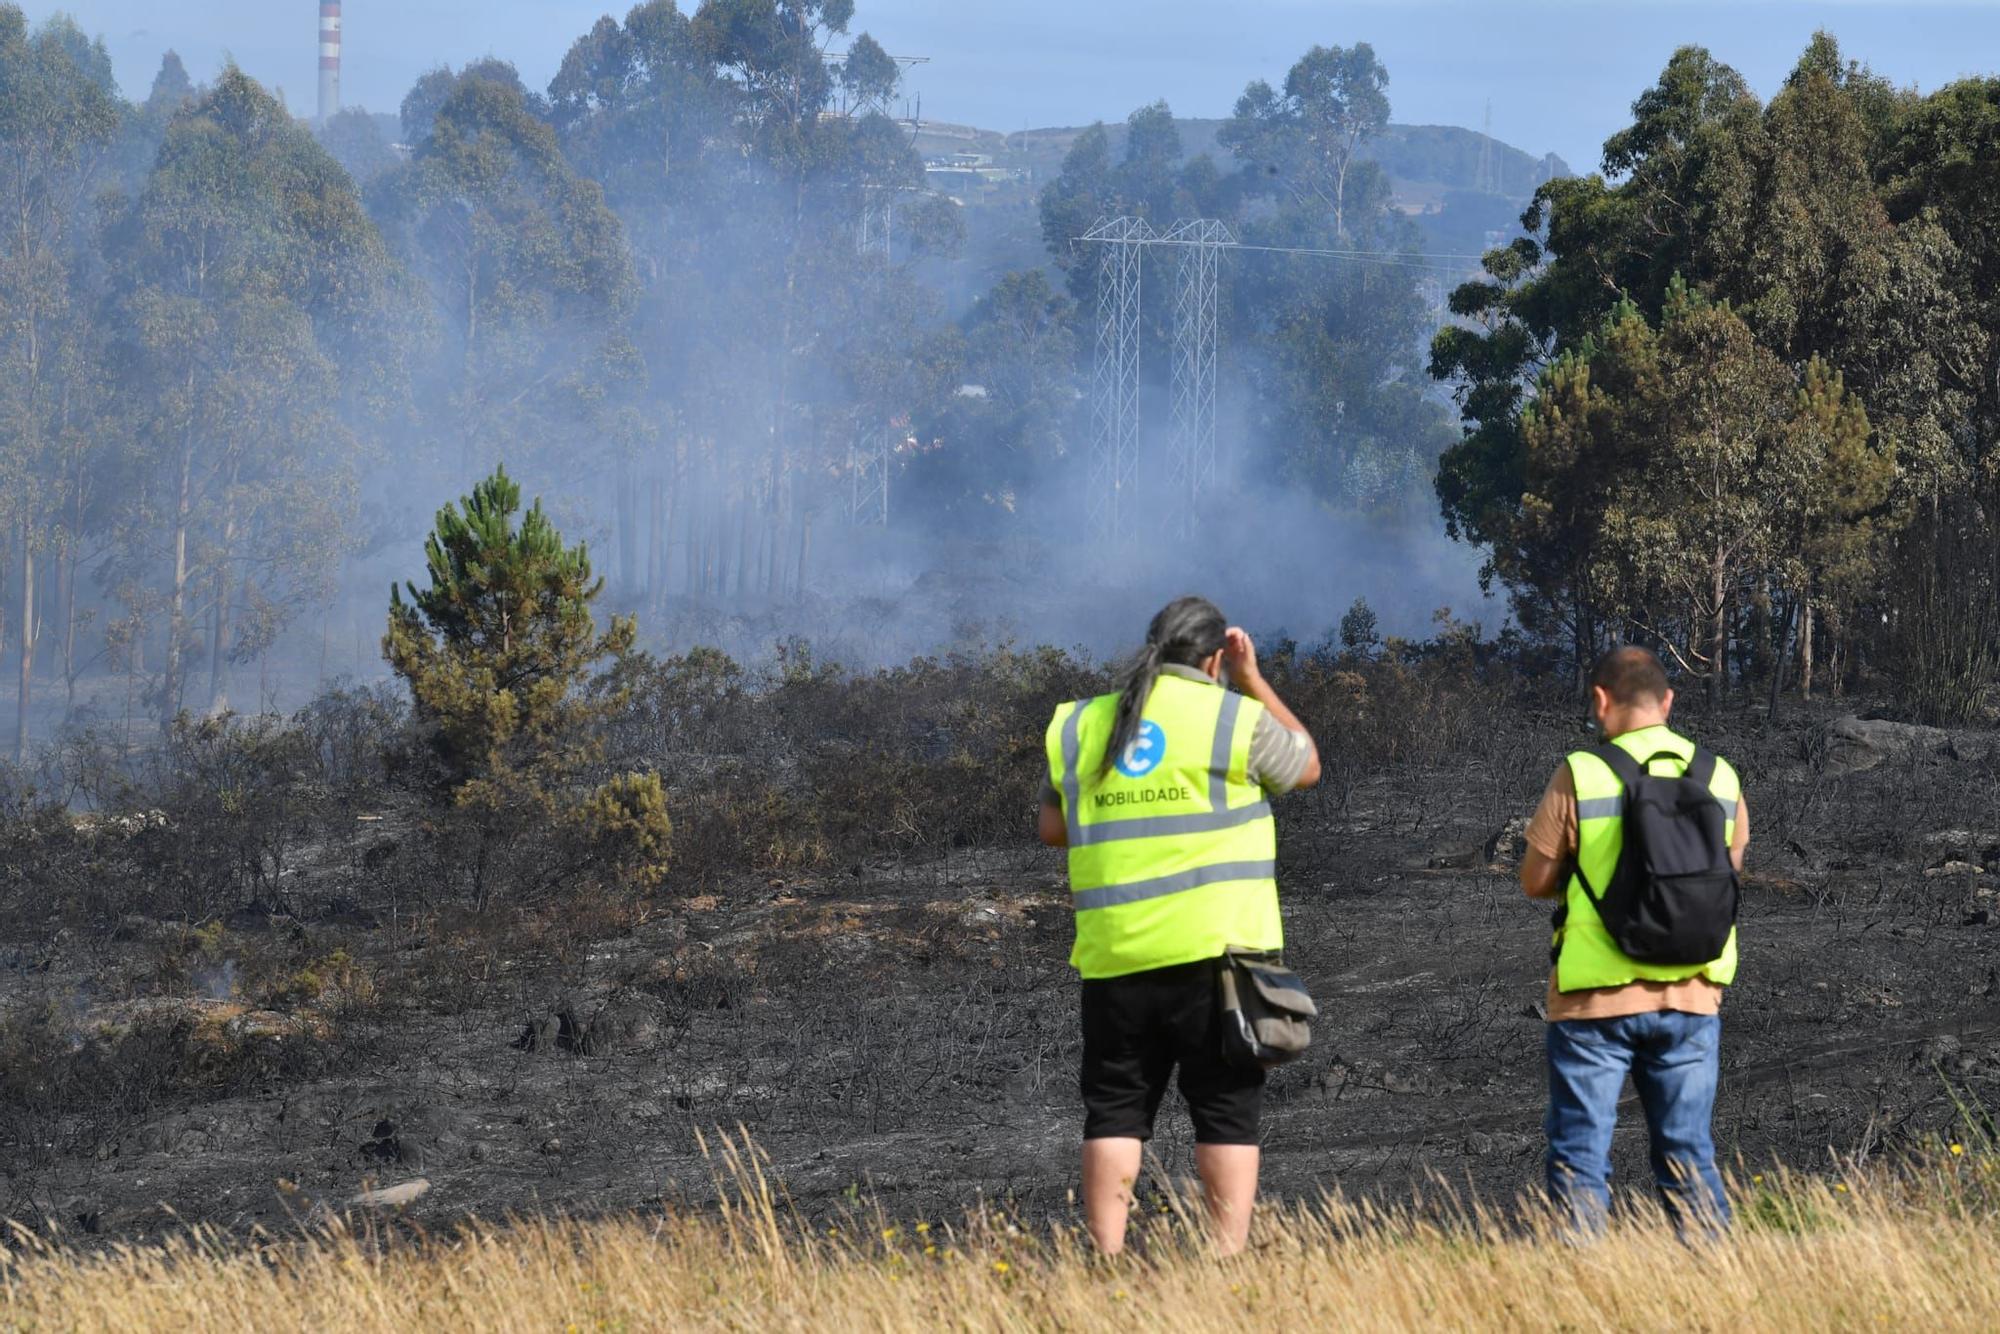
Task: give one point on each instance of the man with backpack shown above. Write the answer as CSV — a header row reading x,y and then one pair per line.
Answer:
x,y
1641,840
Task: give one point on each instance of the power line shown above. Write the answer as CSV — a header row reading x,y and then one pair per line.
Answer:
x,y
1489,180
1114,449
1401,258
1393,258
1191,457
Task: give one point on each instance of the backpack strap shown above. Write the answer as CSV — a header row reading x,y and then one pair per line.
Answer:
x,y
1702,768
1619,760
1628,772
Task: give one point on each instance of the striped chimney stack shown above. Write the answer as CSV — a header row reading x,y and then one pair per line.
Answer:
x,y
329,59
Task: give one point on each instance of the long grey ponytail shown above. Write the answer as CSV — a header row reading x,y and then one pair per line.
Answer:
x,y
1187,631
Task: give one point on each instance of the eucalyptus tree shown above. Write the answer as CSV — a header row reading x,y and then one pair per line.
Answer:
x,y
247,286
1307,137
526,271
755,173
1831,247
1339,396
58,115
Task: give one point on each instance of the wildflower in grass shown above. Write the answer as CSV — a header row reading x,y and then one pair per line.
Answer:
x,y
930,1250
1757,1180
1958,1150
923,1228
1840,1188
1001,1266
891,1233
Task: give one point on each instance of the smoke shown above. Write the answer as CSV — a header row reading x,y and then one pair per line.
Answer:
x,y
686,364
216,982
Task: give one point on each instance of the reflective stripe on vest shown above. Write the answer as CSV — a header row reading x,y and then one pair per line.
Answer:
x,y
1195,872
1586,956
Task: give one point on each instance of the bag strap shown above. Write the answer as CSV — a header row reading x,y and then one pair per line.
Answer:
x,y
1702,768
1630,773
1619,760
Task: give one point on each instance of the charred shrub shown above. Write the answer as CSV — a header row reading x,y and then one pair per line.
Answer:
x,y
54,873
822,764
209,818
353,739
1945,624
68,1088
1397,703
239,797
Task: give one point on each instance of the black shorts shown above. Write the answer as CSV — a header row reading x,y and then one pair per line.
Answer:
x,y
1136,1029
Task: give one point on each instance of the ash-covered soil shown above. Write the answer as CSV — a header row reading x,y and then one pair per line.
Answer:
x,y
908,1033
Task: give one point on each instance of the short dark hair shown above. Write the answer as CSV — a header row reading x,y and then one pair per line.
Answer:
x,y
1630,674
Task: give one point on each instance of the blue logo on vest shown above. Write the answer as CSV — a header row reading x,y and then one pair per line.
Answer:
x,y
1146,751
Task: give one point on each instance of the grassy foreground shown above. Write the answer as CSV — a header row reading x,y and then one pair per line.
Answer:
x,y
1919,1248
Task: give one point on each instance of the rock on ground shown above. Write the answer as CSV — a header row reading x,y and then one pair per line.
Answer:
x,y
1852,745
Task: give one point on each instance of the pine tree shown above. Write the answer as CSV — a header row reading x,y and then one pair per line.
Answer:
x,y
499,653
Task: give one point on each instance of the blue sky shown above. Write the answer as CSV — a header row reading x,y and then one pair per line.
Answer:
x,y
1560,74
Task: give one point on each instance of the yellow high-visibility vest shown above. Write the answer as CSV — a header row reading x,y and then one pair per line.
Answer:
x,y
1586,956
1172,851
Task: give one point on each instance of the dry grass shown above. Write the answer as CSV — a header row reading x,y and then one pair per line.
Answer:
x,y
1916,1248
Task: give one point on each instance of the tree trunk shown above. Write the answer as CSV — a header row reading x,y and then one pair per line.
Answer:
x,y
628,536
767,550
1782,651
701,522
5,609
691,536
1340,198
27,647
469,368
479,875
719,539
45,596
805,550
224,594
1763,630
742,546
131,686
656,571
68,558
170,701
1806,649
1718,634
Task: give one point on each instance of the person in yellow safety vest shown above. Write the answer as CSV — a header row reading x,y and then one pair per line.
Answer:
x,y
1610,1016
1161,792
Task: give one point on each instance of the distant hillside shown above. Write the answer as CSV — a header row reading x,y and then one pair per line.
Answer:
x,y
1449,155
1462,206
1440,157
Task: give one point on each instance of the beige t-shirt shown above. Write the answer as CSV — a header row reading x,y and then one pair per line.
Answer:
x,y
1552,832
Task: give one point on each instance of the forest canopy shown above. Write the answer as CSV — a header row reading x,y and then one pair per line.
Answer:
x,y
1737,394
699,293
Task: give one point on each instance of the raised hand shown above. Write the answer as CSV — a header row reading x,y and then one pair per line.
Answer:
x,y
1239,655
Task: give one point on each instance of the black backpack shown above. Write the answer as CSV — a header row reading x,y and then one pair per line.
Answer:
x,y
1673,897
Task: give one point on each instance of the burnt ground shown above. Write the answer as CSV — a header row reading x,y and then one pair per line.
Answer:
x,y
908,1033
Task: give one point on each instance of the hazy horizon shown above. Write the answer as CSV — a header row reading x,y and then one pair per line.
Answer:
x,y
1560,74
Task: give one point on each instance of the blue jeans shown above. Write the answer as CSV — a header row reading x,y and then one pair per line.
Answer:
x,y
1673,1059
